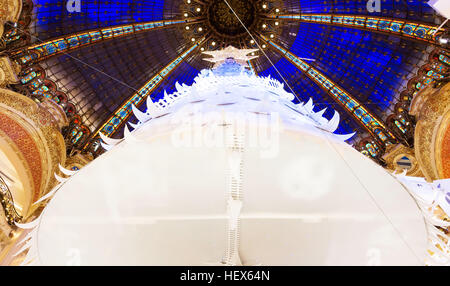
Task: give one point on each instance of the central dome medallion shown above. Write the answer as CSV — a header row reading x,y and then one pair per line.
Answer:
x,y
224,22
219,24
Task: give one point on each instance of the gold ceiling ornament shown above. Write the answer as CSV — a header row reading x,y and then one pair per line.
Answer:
x,y
8,71
9,12
59,116
32,134
431,107
395,154
239,55
225,23
7,203
78,161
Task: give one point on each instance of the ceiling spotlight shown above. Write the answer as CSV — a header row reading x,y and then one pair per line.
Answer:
x,y
189,1
277,23
199,9
252,42
186,14
443,41
264,46
213,43
253,54
277,10
193,39
187,27
264,26
271,35
264,6
200,29
202,49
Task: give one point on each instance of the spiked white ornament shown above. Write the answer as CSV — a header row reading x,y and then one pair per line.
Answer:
x,y
239,55
143,197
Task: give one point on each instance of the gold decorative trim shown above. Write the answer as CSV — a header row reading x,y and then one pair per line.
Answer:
x,y
430,107
443,129
7,202
394,153
45,131
78,161
21,166
9,11
8,71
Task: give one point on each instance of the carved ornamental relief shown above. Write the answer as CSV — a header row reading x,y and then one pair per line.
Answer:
x,y
9,12
431,108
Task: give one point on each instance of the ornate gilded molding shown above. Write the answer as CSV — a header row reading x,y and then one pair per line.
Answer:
x,y
78,161
432,107
6,232
9,12
395,153
7,202
35,133
59,116
8,71
5,227
443,146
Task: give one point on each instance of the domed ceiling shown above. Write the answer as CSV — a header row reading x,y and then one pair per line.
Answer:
x,y
371,64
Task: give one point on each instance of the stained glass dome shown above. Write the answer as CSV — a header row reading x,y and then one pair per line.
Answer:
x,y
361,62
